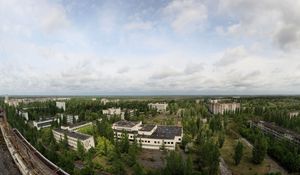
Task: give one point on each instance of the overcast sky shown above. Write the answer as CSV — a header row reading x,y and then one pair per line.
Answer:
x,y
146,47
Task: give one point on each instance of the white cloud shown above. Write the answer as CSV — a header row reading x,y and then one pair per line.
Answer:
x,y
270,20
186,15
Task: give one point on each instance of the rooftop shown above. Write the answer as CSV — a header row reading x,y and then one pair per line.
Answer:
x,y
76,135
165,132
125,123
147,127
76,124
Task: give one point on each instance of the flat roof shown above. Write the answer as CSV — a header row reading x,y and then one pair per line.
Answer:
x,y
76,135
125,123
77,124
147,127
165,132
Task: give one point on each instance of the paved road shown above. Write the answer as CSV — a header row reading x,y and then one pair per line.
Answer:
x,y
7,165
224,170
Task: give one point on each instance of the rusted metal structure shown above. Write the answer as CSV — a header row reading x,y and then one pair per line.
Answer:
x,y
29,160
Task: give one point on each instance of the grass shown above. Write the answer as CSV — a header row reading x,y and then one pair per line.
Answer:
x,y
86,130
246,167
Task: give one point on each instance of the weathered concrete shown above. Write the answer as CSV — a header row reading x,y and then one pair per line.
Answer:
x,y
7,165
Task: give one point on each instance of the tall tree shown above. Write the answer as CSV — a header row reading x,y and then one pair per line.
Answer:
x,y
238,153
259,150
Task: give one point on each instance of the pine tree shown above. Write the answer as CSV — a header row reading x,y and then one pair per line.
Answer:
x,y
238,153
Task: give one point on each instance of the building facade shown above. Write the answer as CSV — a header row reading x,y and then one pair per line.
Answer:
x,y
160,107
86,140
219,107
45,123
149,136
61,105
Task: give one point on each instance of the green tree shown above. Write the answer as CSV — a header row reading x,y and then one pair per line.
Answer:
x,y
238,153
259,149
221,139
80,150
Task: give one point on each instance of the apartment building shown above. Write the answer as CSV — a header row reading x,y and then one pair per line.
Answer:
x,y
86,140
160,107
61,105
150,136
219,107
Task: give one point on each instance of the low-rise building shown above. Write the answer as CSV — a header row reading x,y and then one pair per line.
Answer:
x,y
219,107
105,101
76,126
61,105
160,107
149,136
44,123
86,140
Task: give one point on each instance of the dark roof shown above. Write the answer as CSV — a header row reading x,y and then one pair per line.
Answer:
x,y
147,127
165,132
77,135
77,124
125,123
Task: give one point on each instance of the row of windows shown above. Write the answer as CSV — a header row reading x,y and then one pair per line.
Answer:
x,y
155,142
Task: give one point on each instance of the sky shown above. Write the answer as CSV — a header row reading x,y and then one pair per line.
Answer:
x,y
149,47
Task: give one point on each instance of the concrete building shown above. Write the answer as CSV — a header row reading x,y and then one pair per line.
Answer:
x,y
76,126
72,119
219,107
6,99
86,140
112,111
61,105
293,114
24,114
44,123
105,101
150,136
160,107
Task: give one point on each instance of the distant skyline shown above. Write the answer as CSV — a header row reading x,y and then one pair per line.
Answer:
x,y
149,47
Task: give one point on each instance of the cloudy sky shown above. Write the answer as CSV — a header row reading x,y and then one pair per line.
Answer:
x,y
137,47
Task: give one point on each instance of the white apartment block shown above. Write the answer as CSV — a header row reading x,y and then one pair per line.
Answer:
x,y
112,111
86,140
24,115
150,136
293,114
160,107
219,107
45,123
61,105
72,118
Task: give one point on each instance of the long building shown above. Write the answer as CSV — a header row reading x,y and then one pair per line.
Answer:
x,y
150,136
277,131
45,123
219,107
86,140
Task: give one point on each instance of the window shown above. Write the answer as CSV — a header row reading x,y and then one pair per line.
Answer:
x,y
168,142
165,142
171,142
158,142
148,141
179,139
154,141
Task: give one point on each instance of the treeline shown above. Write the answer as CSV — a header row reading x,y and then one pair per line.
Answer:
x,y
287,154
